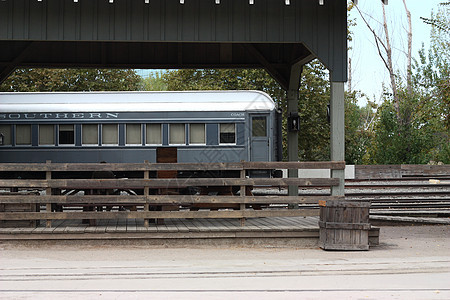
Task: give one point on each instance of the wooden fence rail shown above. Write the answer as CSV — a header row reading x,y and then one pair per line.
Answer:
x,y
151,198
401,171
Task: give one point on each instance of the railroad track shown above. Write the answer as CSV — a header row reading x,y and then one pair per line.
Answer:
x,y
398,200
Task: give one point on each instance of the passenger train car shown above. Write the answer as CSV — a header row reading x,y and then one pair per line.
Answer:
x,y
128,127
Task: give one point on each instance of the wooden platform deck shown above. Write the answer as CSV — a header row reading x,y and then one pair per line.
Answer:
x,y
276,231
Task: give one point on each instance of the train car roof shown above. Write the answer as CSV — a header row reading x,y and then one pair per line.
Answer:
x,y
136,101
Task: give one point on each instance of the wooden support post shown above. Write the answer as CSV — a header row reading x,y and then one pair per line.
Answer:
x,y
242,194
292,136
146,193
48,192
337,114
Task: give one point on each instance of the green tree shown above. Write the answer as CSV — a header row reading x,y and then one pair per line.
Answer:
x,y
357,122
418,137
314,94
42,80
154,82
433,69
420,133
440,21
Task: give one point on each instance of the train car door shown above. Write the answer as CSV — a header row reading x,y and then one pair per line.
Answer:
x,y
259,137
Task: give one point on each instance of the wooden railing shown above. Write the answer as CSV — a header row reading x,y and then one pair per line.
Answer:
x,y
71,197
401,171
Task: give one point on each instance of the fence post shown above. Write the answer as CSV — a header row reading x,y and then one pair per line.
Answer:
x,y
48,192
242,194
146,194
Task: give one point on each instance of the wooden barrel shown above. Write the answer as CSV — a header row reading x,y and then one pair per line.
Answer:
x,y
344,225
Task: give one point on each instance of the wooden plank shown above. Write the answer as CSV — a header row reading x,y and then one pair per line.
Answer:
x,y
218,224
181,227
163,199
424,220
48,191
266,222
60,226
377,171
164,183
210,225
411,170
261,225
112,225
188,224
90,167
334,165
75,199
171,227
67,167
158,214
152,227
161,227
39,229
131,225
200,226
232,225
336,225
146,193
142,227
75,227
242,192
284,224
346,247
250,225
101,226
345,203
121,225
20,230
90,229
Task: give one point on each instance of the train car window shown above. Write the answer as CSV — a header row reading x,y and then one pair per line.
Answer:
x,y
66,134
227,133
259,126
46,134
177,134
23,134
89,134
134,134
197,134
110,135
154,136
5,131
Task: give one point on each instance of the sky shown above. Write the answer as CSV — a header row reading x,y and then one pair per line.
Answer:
x,y
368,71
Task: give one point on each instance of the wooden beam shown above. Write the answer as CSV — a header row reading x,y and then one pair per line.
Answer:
x,y
304,60
280,78
161,199
384,1
158,214
77,167
163,183
9,68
